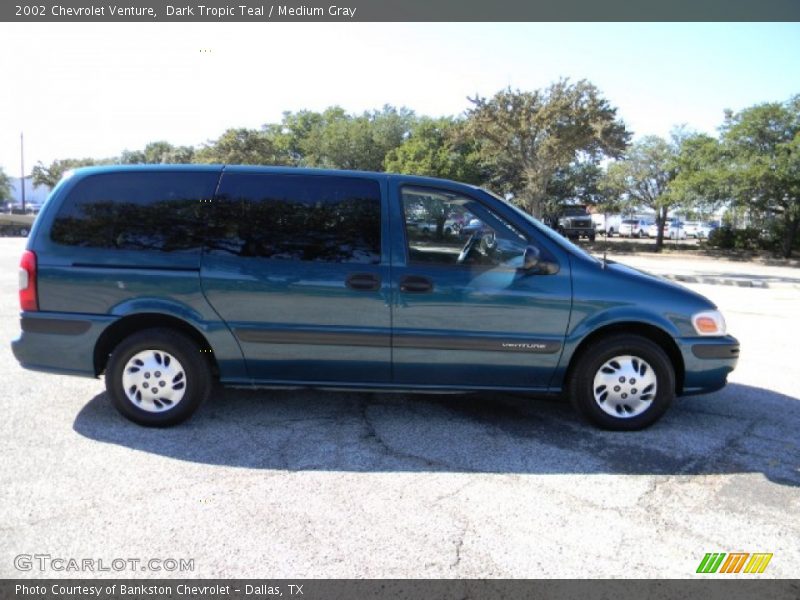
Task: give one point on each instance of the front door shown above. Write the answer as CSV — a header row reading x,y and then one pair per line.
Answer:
x,y
465,313
293,264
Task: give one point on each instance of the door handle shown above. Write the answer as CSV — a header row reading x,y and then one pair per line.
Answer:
x,y
363,282
416,284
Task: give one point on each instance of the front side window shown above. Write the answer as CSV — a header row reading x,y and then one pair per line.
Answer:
x,y
447,228
297,217
136,211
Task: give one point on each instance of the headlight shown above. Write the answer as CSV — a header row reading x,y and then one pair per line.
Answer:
x,y
709,322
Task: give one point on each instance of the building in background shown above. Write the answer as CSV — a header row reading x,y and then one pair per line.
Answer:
x,y
34,195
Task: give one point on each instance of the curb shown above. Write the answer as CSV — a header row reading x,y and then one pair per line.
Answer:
x,y
751,283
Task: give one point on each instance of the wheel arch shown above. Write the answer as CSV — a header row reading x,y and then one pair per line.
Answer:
x,y
651,332
130,324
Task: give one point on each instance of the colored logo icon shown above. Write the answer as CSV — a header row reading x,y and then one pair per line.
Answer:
x,y
734,562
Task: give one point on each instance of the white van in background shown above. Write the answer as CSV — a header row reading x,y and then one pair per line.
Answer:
x,y
607,224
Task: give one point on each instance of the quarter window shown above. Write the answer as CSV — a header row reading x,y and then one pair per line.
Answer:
x,y
136,211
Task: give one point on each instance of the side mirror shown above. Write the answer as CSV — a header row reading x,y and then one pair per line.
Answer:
x,y
530,260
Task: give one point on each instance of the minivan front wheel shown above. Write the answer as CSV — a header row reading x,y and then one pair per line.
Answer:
x,y
624,383
157,378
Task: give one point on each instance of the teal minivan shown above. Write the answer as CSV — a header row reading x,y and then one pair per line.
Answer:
x,y
167,279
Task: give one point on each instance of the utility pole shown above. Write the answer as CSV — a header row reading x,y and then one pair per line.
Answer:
x,y
22,167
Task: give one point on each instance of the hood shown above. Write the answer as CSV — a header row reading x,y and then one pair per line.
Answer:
x,y
656,283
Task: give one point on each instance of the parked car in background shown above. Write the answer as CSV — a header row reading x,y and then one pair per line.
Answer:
x,y
692,228
698,229
633,228
704,230
574,222
673,230
451,226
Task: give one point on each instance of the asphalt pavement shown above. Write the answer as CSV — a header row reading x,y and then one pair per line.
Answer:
x,y
315,484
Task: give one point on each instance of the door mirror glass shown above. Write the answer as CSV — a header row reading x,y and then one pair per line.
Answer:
x,y
531,258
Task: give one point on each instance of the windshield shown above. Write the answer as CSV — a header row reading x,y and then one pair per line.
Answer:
x,y
544,229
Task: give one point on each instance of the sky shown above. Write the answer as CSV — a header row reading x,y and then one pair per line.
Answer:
x,y
95,89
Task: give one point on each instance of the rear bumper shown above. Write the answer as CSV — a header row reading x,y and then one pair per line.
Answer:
x,y
58,343
707,363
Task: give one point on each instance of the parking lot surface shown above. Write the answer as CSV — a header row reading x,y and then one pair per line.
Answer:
x,y
319,484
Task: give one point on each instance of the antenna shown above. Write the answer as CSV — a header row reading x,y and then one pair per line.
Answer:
x,y
22,167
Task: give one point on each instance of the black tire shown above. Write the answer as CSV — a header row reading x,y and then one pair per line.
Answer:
x,y
588,364
591,237
195,368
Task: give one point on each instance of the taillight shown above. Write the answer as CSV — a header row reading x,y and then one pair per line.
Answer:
x,y
28,298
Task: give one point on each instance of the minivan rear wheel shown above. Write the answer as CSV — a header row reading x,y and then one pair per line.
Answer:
x,y
157,377
624,383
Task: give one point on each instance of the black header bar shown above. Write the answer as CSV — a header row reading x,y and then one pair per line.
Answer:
x,y
399,10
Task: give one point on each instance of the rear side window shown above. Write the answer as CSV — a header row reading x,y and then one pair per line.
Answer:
x,y
296,217
159,211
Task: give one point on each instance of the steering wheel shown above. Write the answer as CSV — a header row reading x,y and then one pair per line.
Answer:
x,y
468,247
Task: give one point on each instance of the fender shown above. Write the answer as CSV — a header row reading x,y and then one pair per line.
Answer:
x,y
620,314
616,315
227,351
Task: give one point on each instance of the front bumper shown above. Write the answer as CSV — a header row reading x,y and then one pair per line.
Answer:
x,y
707,363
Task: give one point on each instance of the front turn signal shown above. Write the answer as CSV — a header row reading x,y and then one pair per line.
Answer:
x,y
709,322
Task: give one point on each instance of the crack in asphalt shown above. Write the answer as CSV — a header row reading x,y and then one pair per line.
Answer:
x,y
453,493
387,450
459,544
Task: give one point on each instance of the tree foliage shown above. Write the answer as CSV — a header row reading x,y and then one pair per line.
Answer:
x,y
156,153
643,179
527,137
5,186
243,147
51,175
762,147
437,148
702,179
577,183
336,139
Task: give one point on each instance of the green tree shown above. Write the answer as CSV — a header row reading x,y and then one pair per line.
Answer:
x,y
336,139
763,147
158,153
243,147
643,179
577,183
527,137
437,148
702,177
5,186
51,175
